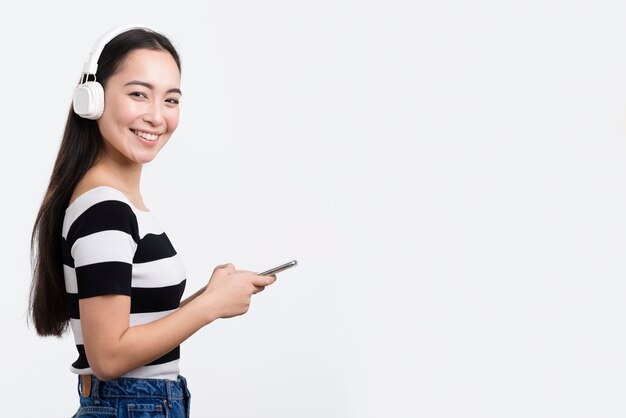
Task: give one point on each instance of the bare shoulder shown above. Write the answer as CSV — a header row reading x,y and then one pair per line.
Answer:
x,y
90,180
96,177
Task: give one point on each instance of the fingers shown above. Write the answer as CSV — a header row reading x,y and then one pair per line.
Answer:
x,y
256,280
228,267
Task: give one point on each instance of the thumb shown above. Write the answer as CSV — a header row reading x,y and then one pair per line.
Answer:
x,y
264,280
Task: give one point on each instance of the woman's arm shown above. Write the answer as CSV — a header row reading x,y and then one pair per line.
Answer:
x,y
114,348
192,297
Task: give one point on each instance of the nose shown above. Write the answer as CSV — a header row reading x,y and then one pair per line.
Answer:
x,y
154,114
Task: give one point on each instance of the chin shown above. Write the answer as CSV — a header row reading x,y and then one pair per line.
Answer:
x,y
141,158
145,160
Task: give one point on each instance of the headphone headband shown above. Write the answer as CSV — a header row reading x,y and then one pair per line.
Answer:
x,y
91,65
88,98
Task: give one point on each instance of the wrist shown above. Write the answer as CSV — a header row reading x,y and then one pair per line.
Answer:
x,y
209,303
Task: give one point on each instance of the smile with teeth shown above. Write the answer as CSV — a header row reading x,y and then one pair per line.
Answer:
x,y
145,135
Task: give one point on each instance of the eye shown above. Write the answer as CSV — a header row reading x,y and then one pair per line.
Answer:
x,y
138,94
172,101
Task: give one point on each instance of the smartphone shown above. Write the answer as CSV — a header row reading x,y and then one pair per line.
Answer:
x,y
279,268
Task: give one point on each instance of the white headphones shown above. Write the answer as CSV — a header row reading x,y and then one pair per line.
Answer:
x,y
88,99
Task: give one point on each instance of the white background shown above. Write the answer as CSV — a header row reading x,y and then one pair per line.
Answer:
x,y
449,174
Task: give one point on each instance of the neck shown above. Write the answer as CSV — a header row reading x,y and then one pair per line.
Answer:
x,y
122,174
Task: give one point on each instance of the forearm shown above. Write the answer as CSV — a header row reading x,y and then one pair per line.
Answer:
x,y
139,345
113,348
192,297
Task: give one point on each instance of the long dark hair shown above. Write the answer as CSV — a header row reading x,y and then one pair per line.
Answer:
x,y
78,152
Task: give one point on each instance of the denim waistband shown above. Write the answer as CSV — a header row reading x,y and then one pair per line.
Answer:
x,y
130,387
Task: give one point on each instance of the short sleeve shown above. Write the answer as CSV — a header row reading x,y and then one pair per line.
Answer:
x,y
102,243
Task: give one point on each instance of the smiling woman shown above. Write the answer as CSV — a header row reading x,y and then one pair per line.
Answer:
x,y
144,98
102,265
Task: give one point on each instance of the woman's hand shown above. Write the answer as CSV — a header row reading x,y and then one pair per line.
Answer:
x,y
230,291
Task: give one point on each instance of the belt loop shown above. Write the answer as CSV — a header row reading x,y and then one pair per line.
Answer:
x,y
95,390
85,385
168,391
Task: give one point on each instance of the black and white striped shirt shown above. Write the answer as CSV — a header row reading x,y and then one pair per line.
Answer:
x,y
111,247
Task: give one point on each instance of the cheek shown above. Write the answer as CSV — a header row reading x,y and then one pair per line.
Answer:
x,y
114,116
172,121
105,125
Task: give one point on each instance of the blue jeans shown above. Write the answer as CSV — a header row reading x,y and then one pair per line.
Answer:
x,y
135,398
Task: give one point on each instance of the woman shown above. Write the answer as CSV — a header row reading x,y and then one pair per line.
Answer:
x,y
101,262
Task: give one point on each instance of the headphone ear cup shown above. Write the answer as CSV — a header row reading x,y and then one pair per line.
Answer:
x,y
88,100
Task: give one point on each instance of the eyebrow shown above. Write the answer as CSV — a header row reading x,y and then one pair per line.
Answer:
x,y
151,87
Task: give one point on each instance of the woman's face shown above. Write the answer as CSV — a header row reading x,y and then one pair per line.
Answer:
x,y
141,107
